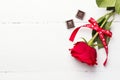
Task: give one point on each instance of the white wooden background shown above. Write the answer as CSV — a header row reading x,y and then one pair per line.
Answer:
x,y
34,41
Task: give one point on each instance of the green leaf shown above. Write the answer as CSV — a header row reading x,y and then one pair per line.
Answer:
x,y
100,42
106,27
105,3
109,3
103,22
117,6
107,40
99,21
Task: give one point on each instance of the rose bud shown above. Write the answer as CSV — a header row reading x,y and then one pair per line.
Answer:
x,y
84,53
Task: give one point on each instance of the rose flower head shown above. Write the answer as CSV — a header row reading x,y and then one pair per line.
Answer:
x,y
84,53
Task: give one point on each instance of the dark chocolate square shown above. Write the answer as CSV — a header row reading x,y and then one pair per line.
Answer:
x,y
70,24
80,14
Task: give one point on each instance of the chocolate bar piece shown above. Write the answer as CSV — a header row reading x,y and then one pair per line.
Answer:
x,y
80,14
111,8
70,24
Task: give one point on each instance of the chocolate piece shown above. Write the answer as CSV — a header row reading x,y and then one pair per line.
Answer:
x,y
70,24
111,8
80,14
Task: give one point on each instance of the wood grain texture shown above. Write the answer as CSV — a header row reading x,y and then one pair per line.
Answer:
x,y
34,41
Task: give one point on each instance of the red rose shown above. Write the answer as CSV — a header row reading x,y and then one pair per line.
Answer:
x,y
84,53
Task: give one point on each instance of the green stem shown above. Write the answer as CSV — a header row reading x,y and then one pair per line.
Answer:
x,y
107,16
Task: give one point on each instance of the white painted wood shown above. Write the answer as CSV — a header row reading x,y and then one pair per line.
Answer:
x,y
34,41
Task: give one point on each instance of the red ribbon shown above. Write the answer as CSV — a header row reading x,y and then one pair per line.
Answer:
x,y
94,25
